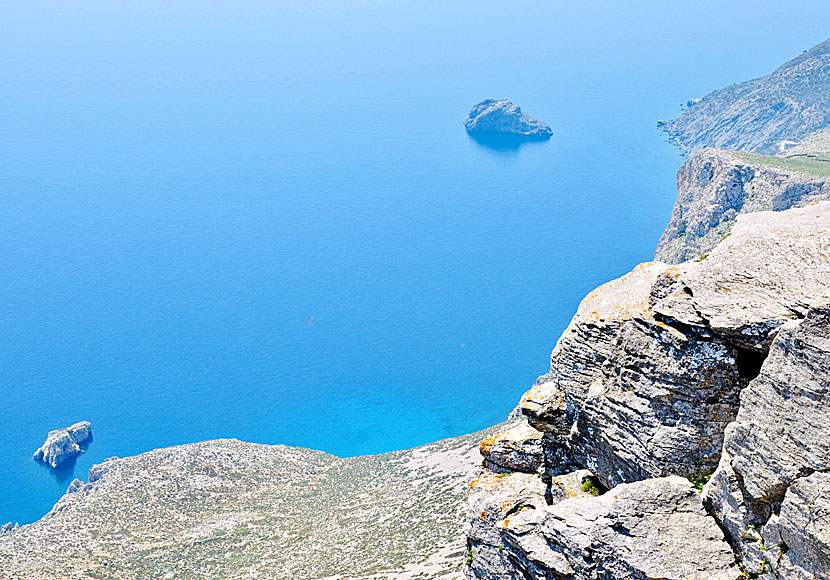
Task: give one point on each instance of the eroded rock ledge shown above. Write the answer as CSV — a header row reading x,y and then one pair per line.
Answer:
x,y
676,371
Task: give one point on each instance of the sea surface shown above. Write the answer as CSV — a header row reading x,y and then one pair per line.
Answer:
x,y
264,220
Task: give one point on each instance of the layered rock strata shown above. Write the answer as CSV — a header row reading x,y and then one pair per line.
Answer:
x,y
663,373
771,491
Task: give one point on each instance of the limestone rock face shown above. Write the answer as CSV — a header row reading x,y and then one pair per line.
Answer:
x,y
652,383
767,489
714,186
62,444
653,529
797,539
772,267
676,371
661,406
502,116
576,362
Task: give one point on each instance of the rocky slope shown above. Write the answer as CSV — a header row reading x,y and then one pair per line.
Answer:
x,y
714,186
714,365
761,114
228,509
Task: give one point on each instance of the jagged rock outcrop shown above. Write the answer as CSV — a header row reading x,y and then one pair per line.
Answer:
x,y
8,528
714,186
63,444
655,529
502,116
650,372
760,114
771,491
654,379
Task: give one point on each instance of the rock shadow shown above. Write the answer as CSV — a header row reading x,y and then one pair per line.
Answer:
x,y
65,471
504,143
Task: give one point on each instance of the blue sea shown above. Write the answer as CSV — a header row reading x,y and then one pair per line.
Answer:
x,y
264,220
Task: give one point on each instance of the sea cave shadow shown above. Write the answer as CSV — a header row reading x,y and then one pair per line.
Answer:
x,y
504,144
65,471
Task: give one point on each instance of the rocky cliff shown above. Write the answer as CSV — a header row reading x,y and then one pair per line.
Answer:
x,y
229,509
714,186
762,114
663,377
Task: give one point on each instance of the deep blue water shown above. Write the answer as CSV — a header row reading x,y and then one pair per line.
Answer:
x,y
185,184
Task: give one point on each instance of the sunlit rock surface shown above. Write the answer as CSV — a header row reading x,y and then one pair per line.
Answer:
x,y
63,444
676,371
503,117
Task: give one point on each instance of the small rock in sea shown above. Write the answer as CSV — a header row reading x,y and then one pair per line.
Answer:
x,y
502,116
8,528
61,444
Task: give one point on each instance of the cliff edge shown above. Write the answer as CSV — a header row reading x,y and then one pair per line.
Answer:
x,y
715,185
666,377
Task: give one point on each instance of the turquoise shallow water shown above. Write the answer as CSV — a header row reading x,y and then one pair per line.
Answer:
x,y
184,185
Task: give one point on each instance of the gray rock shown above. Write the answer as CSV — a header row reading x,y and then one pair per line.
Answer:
x,y
653,529
99,470
546,408
577,359
661,406
748,285
8,528
502,116
797,539
62,444
714,186
652,365
778,439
